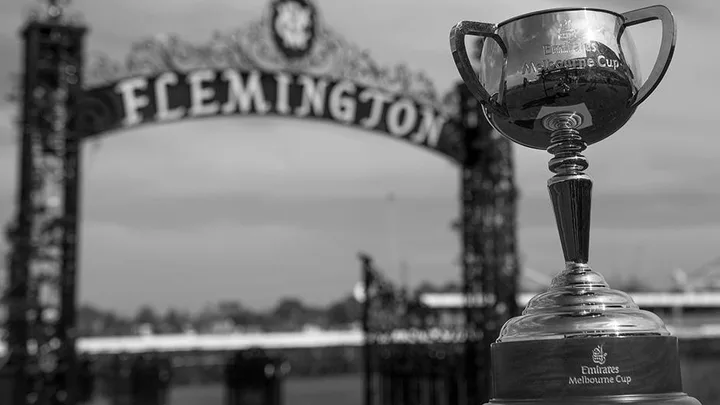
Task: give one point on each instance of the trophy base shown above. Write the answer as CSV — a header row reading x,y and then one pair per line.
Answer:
x,y
654,399
571,369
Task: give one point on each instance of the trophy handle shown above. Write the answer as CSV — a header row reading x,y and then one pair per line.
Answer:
x,y
667,47
462,61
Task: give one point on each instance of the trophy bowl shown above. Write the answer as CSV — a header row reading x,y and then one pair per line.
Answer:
x,y
561,80
575,59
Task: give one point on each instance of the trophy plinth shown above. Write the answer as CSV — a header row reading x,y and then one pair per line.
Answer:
x,y
561,80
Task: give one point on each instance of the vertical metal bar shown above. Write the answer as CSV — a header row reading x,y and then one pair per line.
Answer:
x,y
367,339
488,242
18,292
469,243
72,76
44,258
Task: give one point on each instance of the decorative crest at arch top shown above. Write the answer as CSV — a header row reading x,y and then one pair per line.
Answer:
x,y
290,37
55,12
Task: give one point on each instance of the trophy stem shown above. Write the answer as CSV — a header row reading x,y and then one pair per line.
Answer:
x,y
570,188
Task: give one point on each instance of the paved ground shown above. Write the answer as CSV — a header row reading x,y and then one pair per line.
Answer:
x,y
345,390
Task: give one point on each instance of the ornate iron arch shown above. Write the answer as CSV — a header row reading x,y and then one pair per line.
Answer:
x,y
248,70
66,100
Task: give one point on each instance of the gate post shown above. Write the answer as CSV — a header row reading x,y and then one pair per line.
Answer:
x,y
489,256
43,238
368,334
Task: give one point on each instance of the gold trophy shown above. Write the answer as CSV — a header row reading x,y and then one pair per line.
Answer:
x,y
561,80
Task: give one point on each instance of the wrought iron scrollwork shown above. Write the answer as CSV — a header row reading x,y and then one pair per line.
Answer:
x,y
47,195
60,110
251,48
413,350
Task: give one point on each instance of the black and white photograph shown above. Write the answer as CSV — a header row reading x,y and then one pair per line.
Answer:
x,y
359,202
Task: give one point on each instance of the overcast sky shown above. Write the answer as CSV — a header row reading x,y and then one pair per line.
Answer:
x,y
255,208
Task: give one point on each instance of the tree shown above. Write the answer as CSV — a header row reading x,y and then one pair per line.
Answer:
x,y
146,314
451,287
206,318
343,312
91,320
628,284
426,287
635,284
292,312
237,313
174,321
289,308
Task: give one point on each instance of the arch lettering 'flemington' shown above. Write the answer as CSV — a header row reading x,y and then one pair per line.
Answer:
x,y
171,96
286,64
280,65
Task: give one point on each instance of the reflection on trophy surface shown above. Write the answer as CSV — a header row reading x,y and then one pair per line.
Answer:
x,y
561,80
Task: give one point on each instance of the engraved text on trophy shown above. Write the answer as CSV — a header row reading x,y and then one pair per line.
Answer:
x,y
596,55
578,52
599,373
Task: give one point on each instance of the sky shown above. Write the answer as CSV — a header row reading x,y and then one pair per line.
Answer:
x,y
252,208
